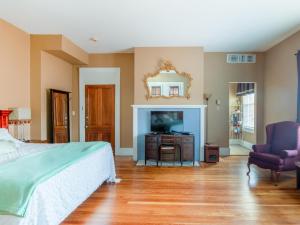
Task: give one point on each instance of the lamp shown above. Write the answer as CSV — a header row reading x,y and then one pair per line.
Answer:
x,y
206,97
20,120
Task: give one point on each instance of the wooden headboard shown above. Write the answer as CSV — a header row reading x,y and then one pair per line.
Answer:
x,y
4,118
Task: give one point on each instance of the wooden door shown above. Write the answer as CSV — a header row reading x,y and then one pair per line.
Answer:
x,y
100,113
60,116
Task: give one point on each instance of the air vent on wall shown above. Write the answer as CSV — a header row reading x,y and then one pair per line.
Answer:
x,y
241,58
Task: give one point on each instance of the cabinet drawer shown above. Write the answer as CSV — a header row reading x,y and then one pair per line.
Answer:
x,y
151,139
151,154
187,139
151,146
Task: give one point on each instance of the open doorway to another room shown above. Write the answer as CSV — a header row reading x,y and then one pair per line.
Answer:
x,y
242,117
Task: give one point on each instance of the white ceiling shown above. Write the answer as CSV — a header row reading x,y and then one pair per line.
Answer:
x,y
120,25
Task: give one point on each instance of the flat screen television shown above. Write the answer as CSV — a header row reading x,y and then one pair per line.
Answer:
x,y
166,121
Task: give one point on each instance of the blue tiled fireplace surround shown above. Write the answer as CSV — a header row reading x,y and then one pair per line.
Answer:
x,y
191,123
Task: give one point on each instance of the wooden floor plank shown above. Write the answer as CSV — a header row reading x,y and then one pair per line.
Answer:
x,y
214,194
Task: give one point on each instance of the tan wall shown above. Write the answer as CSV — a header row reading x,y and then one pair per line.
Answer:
x,y
61,49
14,66
280,88
81,57
185,59
125,62
217,75
55,74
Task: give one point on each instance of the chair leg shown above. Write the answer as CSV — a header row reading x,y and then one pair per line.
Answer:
x,y
248,173
277,175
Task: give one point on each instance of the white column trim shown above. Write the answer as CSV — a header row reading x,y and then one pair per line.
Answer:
x,y
135,133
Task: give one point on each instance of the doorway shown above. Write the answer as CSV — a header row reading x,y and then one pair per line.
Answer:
x,y
94,77
242,117
60,119
100,113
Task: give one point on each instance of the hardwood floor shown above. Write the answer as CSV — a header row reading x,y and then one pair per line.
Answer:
x,y
214,194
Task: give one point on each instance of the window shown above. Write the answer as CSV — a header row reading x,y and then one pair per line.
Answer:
x,y
156,91
248,112
174,91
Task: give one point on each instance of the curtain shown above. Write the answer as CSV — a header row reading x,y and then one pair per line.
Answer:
x,y
244,89
298,91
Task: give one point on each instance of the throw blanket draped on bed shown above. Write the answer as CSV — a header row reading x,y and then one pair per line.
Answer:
x,y
19,178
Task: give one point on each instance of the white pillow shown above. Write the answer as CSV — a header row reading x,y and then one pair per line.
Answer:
x,y
6,136
7,147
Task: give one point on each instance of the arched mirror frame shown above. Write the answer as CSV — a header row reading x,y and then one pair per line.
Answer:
x,y
166,65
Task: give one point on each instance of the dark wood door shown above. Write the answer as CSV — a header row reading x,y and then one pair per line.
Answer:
x,y
100,113
60,116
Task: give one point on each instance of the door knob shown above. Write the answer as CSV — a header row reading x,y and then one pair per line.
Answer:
x,y
86,126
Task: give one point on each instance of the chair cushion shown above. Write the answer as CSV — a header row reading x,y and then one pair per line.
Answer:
x,y
288,153
284,137
269,158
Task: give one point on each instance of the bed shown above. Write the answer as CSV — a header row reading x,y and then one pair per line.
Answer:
x,y
55,198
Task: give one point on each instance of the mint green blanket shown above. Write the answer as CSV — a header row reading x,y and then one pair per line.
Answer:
x,y
19,178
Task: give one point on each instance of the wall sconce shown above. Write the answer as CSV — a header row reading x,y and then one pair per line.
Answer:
x,y
206,97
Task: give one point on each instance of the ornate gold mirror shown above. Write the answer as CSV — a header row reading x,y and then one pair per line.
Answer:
x,y
167,82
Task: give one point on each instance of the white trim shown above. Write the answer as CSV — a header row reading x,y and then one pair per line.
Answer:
x,y
202,132
224,151
100,76
135,132
234,141
243,143
246,144
124,152
170,106
202,124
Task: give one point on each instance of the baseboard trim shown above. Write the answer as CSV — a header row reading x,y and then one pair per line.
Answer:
x,y
246,144
243,143
124,152
234,141
224,151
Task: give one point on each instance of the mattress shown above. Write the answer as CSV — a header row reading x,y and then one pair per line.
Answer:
x,y
54,199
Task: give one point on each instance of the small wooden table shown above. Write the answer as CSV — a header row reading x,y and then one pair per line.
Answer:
x,y
212,153
298,174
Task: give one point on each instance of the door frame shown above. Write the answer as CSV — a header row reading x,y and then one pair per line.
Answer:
x,y
52,113
99,76
242,142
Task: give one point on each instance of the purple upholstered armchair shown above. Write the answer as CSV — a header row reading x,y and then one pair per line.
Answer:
x,y
281,151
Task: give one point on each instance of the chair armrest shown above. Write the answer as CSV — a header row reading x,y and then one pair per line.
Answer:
x,y
261,148
288,154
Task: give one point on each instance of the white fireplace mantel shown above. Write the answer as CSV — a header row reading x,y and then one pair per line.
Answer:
x,y
135,122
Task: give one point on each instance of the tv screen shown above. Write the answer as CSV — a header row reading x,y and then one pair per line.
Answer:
x,y
166,121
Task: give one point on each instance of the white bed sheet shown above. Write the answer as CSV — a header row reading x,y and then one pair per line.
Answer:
x,y
54,199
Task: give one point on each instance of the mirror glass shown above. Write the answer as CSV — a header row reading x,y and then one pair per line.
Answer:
x,y
167,82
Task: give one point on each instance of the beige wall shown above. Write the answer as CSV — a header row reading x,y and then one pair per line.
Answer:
x,y
43,74
14,66
217,75
185,59
280,88
125,62
55,74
